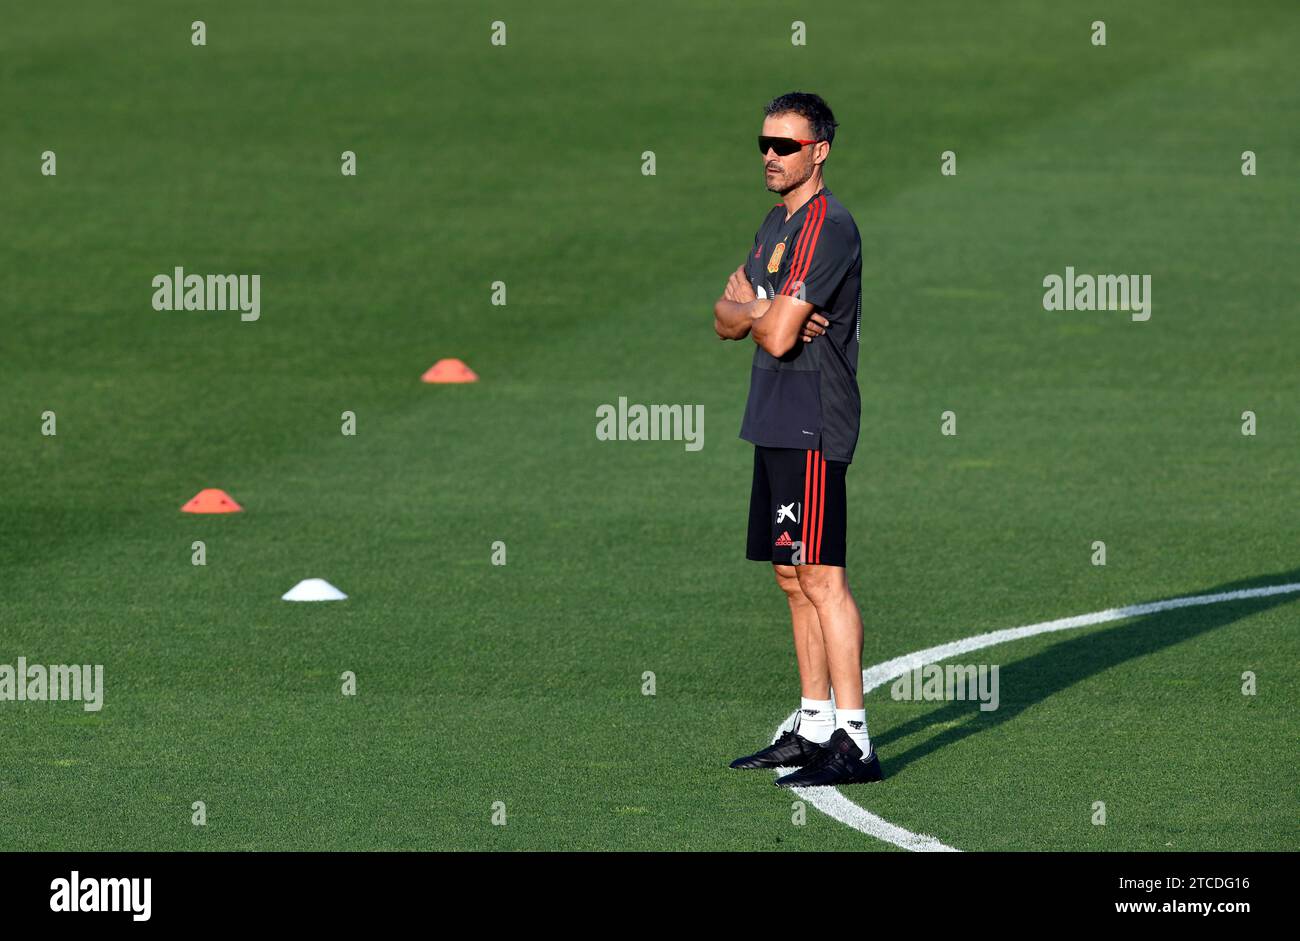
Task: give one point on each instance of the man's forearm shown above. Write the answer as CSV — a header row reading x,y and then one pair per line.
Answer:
x,y
767,331
731,319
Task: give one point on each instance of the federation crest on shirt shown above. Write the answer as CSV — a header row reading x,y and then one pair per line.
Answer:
x,y
774,263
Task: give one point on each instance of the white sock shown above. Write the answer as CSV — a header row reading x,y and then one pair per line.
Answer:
x,y
854,722
816,719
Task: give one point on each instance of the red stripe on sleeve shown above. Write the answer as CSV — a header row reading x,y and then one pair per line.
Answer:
x,y
805,262
804,231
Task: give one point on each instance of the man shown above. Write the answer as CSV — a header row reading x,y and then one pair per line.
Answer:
x,y
798,296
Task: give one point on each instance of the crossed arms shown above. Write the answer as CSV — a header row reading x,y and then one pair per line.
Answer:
x,y
776,324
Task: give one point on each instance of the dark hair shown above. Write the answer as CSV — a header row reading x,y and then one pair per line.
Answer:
x,y
806,105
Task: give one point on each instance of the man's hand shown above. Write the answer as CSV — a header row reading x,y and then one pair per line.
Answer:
x,y
814,327
737,308
738,287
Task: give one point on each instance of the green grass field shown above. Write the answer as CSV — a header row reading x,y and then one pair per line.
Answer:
x,y
522,683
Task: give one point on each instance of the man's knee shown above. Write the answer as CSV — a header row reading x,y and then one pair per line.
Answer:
x,y
822,584
787,577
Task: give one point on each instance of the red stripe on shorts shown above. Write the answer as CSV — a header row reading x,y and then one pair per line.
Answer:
x,y
821,510
807,476
811,511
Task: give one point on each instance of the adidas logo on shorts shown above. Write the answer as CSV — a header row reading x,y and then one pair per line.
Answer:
x,y
785,540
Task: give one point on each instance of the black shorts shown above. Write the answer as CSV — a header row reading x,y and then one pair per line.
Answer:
x,y
798,511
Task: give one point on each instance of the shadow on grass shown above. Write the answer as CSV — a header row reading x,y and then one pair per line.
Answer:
x,y
1077,658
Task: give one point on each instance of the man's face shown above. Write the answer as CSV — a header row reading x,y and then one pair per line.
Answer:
x,y
785,173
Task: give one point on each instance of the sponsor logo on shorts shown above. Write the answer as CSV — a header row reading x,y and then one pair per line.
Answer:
x,y
787,511
785,540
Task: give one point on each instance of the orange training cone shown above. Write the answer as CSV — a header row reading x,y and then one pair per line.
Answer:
x,y
449,370
211,500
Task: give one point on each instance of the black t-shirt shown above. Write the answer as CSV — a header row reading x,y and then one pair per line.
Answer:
x,y
809,398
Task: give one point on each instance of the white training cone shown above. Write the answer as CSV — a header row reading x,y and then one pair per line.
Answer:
x,y
313,589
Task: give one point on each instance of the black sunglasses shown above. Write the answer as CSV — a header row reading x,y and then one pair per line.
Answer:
x,y
784,146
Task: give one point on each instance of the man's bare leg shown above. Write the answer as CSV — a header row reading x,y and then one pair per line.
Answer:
x,y
816,717
827,588
809,648
816,714
847,757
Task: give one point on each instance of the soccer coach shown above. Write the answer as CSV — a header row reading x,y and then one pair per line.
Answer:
x,y
799,295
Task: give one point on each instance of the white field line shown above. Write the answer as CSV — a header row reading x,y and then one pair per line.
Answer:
x,y
834,804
